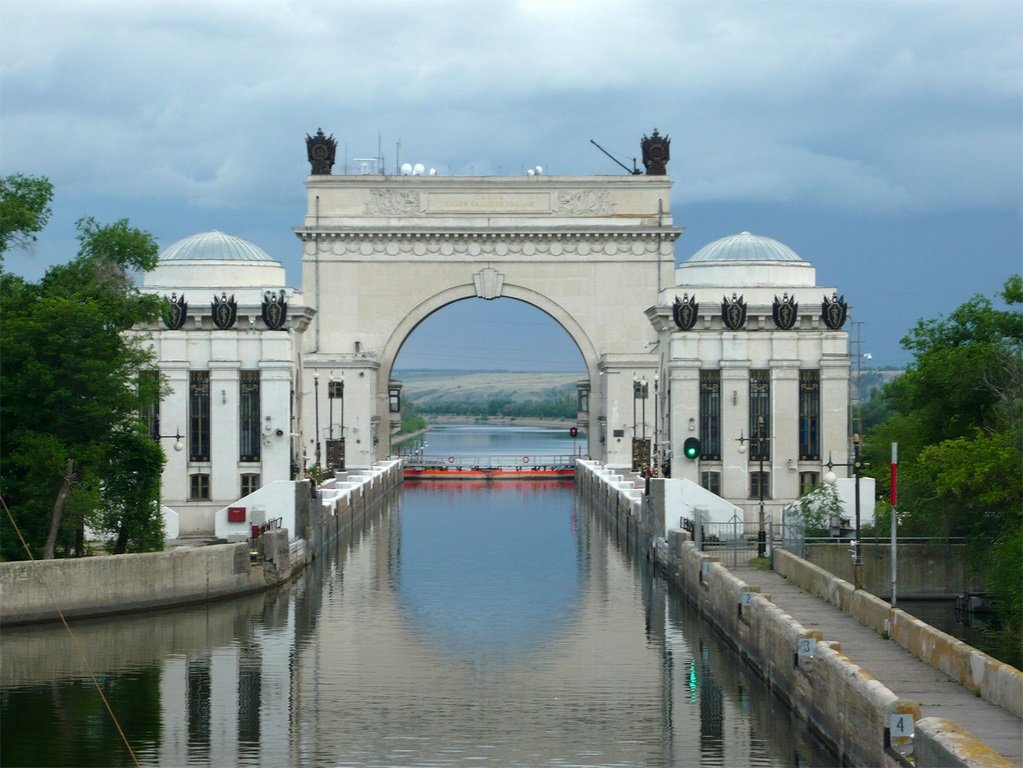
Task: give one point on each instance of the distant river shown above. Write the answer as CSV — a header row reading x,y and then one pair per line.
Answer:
x,y
467,624
515,444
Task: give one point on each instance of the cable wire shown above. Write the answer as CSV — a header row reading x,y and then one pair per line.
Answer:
x,y
74,640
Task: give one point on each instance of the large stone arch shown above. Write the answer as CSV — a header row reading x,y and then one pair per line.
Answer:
x,y
456,293
437,302
382,253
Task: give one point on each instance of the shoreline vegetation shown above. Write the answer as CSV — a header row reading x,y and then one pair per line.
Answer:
x,y
422,427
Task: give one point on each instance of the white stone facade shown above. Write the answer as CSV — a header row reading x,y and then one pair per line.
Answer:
x,y
382,253
758,277
200,346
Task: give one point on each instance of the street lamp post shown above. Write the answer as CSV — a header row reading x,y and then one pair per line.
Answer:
x,y
330,403
831,479
316,401
179,444
335,446
760,440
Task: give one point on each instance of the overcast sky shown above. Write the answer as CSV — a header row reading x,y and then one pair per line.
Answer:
x,y
882,141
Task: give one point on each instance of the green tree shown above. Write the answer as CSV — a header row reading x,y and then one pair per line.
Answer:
x,y
71,450
957,415
24,210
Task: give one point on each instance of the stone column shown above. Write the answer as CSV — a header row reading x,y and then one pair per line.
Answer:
x,y
174,420
224,438
685,406
275,407
784,483
735,422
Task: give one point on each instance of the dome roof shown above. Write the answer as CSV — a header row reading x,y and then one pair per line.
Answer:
x,y
745,247
213,246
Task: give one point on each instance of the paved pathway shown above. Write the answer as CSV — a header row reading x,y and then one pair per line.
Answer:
x,y
902,672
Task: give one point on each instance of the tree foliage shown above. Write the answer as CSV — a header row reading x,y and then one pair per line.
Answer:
x,y
24,210
819,509
956,415
70,394
557,407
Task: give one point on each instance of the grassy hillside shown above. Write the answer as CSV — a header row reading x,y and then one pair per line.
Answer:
x,y
423,387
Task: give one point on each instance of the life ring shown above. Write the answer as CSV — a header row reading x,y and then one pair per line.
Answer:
x,y
451,459
525,459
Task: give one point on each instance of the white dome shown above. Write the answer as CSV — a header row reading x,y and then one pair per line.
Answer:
x,y
745,247
214,246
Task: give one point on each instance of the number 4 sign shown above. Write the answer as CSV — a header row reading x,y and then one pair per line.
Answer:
x,y
900,726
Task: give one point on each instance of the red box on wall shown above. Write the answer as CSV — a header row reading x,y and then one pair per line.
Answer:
x,y
236,514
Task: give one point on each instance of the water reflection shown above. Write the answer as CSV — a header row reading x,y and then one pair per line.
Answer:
x,y
492,570
458,627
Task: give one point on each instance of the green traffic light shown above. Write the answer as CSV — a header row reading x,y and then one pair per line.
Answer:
x,y
691,448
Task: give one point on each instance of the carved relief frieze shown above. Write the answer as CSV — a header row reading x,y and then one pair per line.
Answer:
x,y
394,202
584,202
478,244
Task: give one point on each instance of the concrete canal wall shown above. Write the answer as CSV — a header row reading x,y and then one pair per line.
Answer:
x,y
847,706
103,585
925,571
990,679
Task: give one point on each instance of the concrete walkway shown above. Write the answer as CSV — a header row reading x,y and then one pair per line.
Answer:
x,y
898,669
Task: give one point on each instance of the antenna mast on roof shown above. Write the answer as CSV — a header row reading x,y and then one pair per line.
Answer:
x,y
634,170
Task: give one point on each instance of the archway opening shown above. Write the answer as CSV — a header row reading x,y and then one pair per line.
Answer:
x,y
499,335
496,363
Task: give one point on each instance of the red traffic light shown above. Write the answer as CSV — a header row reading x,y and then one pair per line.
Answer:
x,y
573,431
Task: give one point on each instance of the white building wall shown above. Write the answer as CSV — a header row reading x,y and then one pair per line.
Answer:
x,y
248,345
759,345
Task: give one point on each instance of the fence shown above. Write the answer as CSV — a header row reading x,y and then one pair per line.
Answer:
x,y
500,461
734,542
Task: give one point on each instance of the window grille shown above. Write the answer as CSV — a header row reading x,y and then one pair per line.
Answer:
x,y
809,415
199,416
249,416
760,407
710,415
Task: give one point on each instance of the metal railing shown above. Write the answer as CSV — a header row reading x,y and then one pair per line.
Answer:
x,y
734,542
532,461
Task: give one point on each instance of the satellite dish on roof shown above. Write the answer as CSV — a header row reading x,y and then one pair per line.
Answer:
x,y
433,171
417,169
406,169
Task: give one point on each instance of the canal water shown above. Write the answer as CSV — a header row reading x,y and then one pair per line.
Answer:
x,y
482,624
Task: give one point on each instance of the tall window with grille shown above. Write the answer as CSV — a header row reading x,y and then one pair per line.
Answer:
x,y
149,389
809,415
710,415
199,416
249,416
760,407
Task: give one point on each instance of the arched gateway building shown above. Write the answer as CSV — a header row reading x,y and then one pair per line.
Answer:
x,y
266,380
